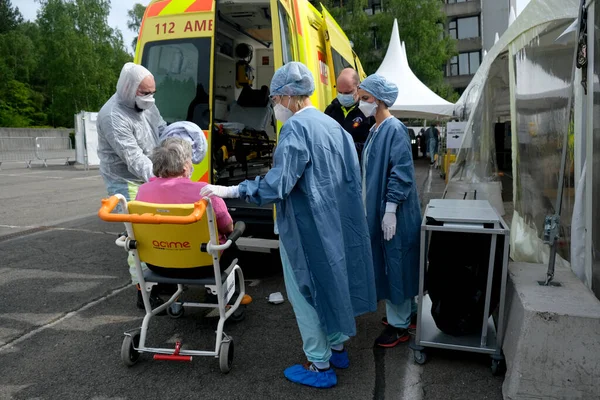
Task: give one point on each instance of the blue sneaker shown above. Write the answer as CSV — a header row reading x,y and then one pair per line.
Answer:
x,y
339,359
309,375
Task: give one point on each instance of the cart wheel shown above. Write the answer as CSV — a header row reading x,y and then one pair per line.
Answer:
x,y
239,314
420,357
226,355
129,355
498,367
175,310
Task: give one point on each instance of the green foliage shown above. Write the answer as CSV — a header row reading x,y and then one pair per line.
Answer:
x,y
10,17
136,14
67,61
420,24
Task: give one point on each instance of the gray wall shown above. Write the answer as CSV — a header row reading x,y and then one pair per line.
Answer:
x,y
34,132
494,18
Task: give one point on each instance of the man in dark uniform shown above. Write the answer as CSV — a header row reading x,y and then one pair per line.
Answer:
x,y
344,109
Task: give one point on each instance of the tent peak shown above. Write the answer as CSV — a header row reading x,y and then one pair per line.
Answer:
x,y
511,16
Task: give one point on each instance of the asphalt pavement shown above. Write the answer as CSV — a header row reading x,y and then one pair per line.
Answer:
x,y
65,301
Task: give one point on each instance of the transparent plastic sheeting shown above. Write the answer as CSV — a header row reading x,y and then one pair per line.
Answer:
x,y
475,171
486,100
595,175
543,85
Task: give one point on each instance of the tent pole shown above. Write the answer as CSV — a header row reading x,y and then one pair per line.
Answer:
x,y
552,222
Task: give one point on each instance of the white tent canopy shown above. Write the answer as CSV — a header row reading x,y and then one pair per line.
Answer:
x,y
415,100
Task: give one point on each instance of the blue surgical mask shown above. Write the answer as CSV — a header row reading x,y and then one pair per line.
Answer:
x,y
347,100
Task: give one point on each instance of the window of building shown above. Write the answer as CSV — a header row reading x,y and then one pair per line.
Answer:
x,y
467,27
373,7
453,69
456,1
452,29
464,64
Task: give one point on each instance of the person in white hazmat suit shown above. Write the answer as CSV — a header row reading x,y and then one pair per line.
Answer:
x,y
129,126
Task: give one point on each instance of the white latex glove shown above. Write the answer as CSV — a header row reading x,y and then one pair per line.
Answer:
x,y
388,225
224,192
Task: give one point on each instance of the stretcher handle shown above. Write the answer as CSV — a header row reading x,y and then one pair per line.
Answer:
x,y
108,205
238,230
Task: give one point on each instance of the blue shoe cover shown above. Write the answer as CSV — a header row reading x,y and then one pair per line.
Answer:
x,y
339,359
322,379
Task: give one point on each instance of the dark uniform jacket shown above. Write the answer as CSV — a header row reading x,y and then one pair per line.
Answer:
x,y
353,121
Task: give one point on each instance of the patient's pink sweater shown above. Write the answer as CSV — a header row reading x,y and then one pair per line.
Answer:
x,y
182,191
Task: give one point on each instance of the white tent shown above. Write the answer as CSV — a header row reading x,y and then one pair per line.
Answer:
x,y
415,100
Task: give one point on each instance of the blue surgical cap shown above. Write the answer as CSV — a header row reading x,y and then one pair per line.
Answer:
x,y
380,88
192,133
293,79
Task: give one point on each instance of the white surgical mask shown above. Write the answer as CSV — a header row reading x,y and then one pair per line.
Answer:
x,y
347,100
282,113
144,102
369,109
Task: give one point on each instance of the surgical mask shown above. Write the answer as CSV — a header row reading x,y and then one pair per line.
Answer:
x,y
368,109
144,102
282,113
347,100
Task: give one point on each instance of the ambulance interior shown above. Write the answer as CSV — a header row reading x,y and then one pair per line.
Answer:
x,y
243,123
244,135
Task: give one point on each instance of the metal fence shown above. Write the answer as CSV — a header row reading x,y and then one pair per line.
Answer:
x,y
54,148
28,150
17,149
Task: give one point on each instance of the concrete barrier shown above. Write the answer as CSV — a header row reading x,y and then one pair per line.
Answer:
x,y
34,132
552,340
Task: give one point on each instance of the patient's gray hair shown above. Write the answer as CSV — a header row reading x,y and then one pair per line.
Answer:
x,y
170,157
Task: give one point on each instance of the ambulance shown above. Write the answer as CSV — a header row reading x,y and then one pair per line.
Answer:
x,y
213,61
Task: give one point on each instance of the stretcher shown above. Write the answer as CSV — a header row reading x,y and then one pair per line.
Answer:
x,y
177,236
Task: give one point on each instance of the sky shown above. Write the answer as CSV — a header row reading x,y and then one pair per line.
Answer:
x,y
116,19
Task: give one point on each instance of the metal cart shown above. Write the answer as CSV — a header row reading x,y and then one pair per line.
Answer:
x,y
462,216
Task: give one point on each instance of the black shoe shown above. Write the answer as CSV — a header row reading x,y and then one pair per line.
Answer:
x,y
155,301
391,336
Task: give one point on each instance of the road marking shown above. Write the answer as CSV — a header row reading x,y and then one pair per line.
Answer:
x,y
429,179
87,177
54,228
11,344
19,175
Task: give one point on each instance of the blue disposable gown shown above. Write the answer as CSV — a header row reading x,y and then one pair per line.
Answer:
x,y
390,177
315,183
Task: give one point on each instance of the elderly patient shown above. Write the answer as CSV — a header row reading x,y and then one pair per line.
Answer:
x,y
172,166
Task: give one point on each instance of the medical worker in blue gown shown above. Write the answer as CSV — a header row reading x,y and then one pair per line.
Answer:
x,y
315,183
392,207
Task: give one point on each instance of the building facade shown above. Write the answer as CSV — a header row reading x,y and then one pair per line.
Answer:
x,y
474,24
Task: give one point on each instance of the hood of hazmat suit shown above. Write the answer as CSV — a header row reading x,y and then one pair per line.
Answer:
x,y
127,135
316,186
192,133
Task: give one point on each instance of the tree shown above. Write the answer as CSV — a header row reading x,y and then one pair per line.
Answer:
x,y
81,56
10,17
136,14
421,26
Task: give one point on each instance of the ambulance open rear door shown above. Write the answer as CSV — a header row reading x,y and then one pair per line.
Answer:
x,y
176,43
339,50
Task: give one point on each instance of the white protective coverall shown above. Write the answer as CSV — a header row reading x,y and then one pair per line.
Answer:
x,y
127,135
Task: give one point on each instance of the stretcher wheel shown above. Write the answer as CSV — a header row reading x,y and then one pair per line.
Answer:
x,y
175,310
498,367
129,355
239,314
420,357
226,355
